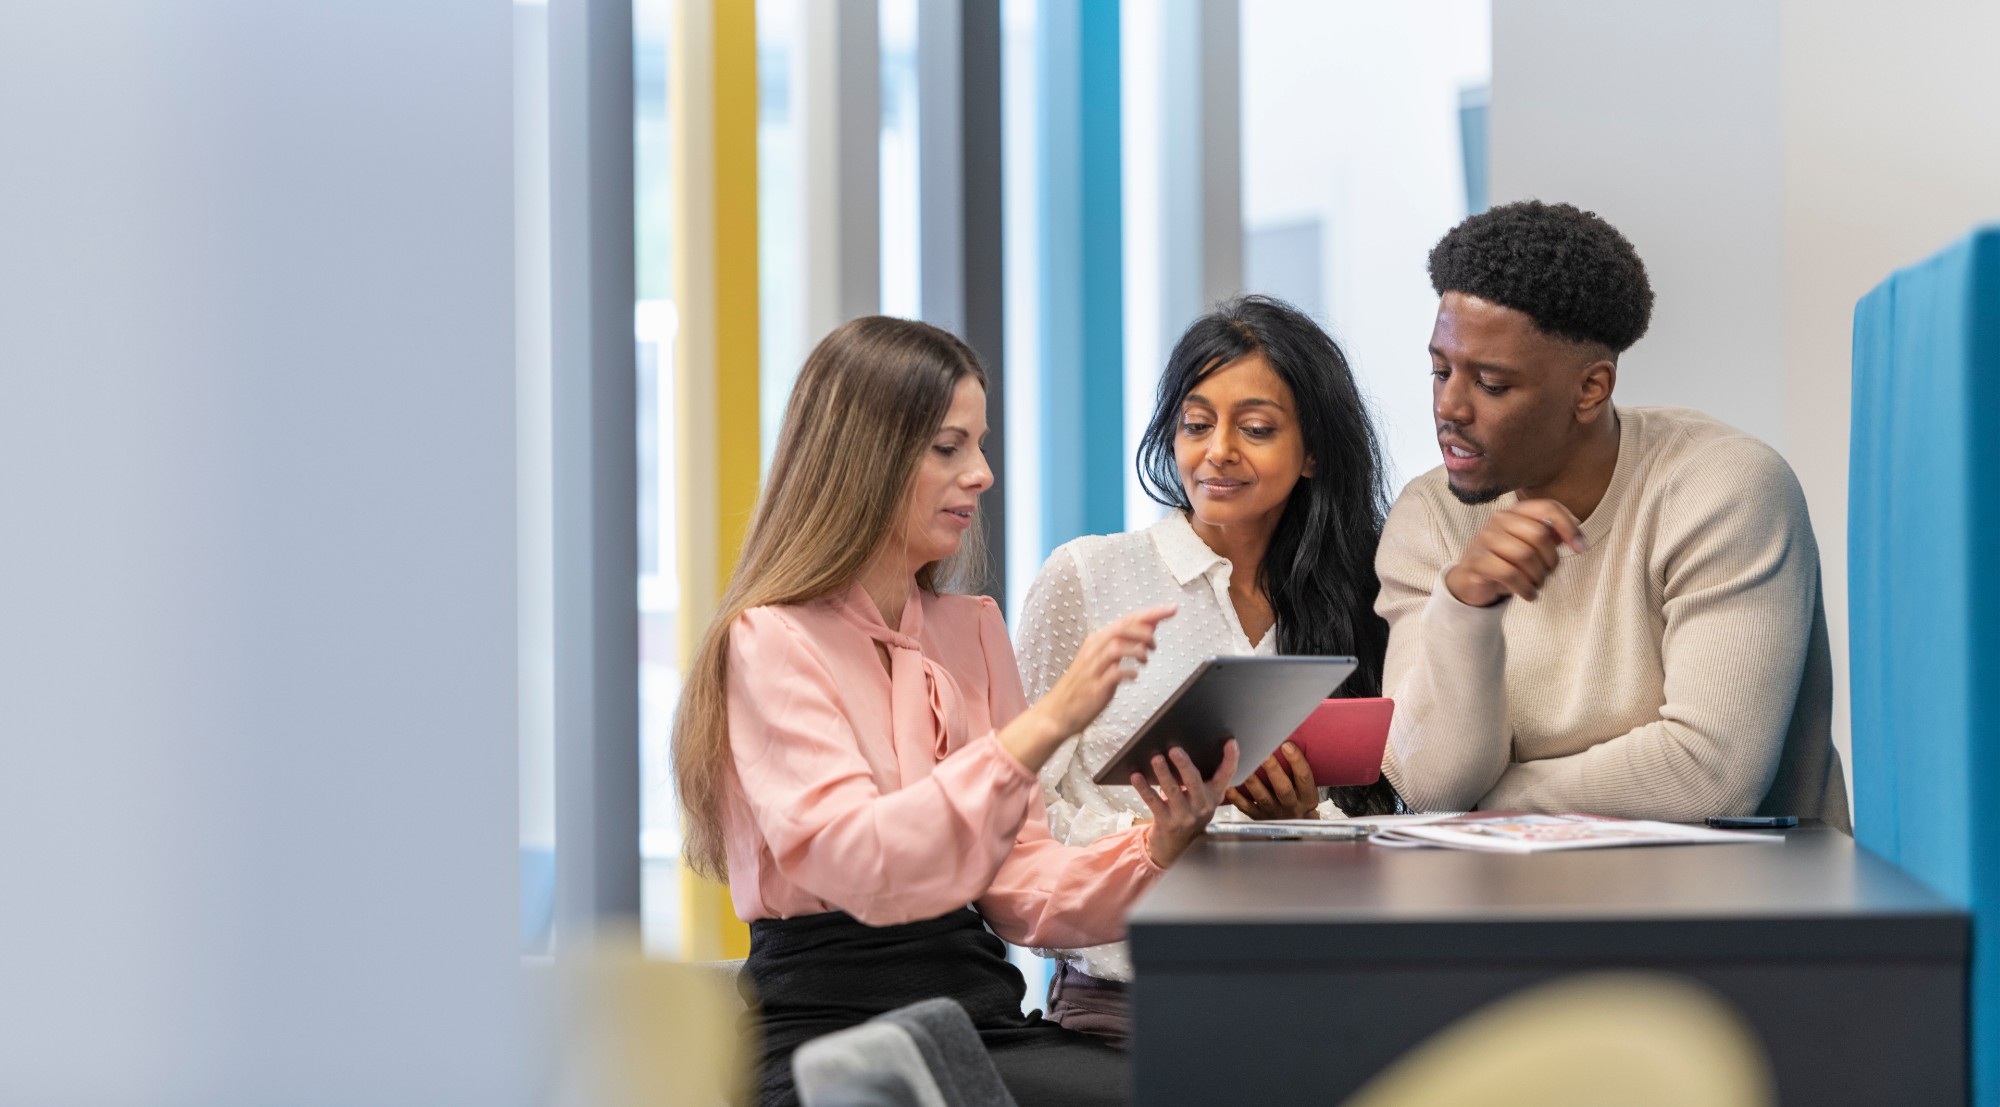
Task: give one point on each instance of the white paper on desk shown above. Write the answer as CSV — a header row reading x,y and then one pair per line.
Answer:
x,y
1506,832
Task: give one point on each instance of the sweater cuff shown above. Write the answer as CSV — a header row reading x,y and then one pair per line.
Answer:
x,y
1443,612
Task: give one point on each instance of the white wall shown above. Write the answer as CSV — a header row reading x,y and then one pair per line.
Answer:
x,y
1662,118
257,481
1772,160
1892,149
1350,117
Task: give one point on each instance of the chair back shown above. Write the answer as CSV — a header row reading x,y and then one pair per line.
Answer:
x,y
926,1054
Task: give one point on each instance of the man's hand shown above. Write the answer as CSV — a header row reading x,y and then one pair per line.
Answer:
x,y
1290,793
1513,553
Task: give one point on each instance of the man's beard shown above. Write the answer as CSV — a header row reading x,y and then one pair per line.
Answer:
x,y
1474,496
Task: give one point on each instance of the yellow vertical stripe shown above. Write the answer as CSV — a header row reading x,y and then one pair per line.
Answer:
x,y
736,449
714,105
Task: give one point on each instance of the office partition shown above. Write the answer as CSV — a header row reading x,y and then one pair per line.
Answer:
x,y
1925,600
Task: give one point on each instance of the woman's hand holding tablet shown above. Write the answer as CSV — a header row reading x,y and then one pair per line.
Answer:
x,y
1282,788
1183,802
1179,797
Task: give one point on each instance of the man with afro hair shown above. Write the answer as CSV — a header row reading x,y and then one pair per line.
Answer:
x,y
1593,608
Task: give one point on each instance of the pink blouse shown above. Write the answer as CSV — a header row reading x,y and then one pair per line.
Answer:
x,y
888,797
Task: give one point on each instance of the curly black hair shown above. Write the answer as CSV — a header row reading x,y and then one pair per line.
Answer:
x,y
1565,268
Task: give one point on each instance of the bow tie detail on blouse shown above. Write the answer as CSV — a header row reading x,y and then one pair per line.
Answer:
x,y
924,708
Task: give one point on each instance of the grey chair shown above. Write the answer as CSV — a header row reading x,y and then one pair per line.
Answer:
x,y
926,1054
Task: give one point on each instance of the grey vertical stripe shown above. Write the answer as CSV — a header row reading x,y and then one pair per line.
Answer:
x,y
984,283
595,459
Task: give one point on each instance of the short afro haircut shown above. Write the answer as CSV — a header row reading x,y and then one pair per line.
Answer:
x,y
1566,269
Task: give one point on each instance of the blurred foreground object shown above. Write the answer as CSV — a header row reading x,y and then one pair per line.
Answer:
x,y
1628,1038
643,1032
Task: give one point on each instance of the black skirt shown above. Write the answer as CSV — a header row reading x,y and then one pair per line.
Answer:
x,y
816,974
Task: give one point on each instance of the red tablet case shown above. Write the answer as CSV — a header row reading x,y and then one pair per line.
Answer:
x,y
1343,740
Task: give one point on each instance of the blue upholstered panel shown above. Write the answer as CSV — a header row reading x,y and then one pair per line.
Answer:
x,y
1924,593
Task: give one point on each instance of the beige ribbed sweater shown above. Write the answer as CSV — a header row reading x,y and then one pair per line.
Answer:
x,y
1677,669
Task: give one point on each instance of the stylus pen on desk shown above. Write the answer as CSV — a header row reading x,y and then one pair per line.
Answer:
x,y
1292,831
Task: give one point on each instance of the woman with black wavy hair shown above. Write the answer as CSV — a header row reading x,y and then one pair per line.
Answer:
x,y
1262,448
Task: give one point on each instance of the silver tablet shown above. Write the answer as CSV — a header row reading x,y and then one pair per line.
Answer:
x,y
1257,700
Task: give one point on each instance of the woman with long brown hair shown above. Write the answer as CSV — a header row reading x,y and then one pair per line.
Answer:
x,y
853,750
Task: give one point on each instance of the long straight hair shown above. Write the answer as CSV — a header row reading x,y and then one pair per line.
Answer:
x,y
867,403
1319,571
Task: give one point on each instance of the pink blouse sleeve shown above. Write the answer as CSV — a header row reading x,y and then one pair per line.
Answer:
x,y
1048,894
885,858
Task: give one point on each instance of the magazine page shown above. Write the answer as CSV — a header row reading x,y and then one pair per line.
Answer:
x,y
1509,832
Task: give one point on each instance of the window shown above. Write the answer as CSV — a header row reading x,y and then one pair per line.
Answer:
x,y
654,325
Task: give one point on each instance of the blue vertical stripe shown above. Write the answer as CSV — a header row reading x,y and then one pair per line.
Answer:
x,y
1082,270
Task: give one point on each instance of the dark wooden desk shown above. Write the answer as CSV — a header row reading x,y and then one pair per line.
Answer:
x,y
1313,965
